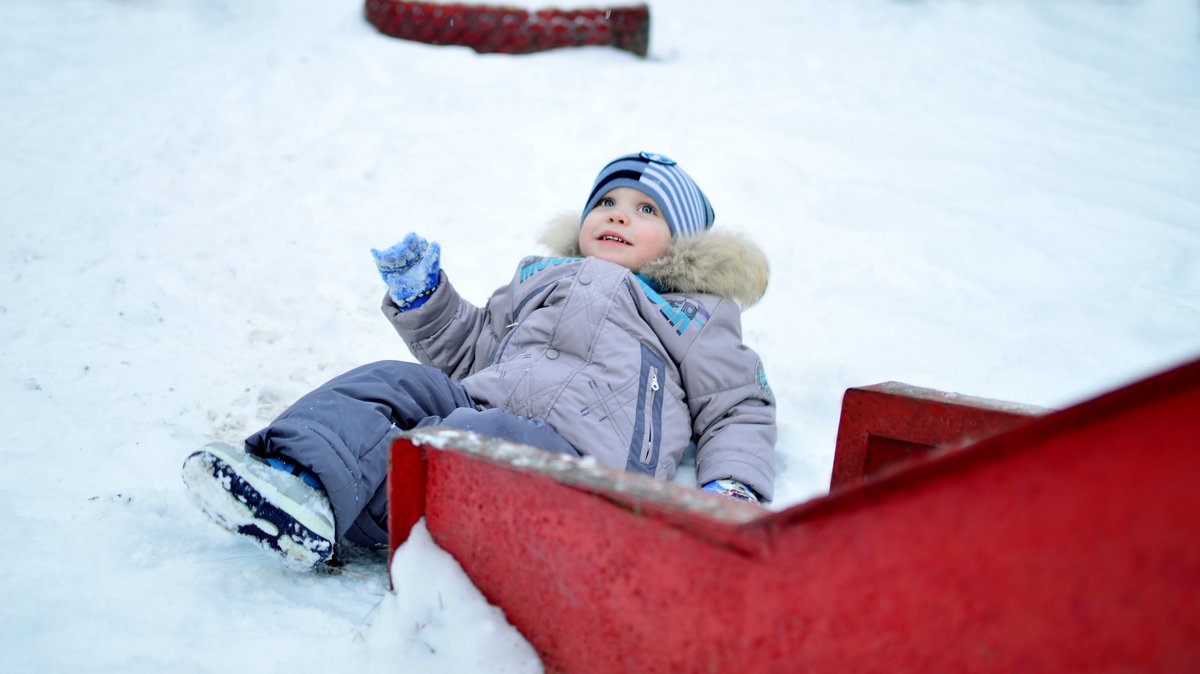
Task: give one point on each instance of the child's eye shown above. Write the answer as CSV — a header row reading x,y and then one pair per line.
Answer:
x,y
607,203
647,209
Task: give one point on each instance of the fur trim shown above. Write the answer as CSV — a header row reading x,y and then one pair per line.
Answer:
x,y
712,262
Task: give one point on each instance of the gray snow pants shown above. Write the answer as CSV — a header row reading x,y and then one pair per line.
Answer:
x,y
343,429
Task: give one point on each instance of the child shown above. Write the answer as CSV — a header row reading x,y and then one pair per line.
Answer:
x,y
625,347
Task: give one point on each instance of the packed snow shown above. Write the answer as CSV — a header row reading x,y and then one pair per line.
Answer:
x,y
995,198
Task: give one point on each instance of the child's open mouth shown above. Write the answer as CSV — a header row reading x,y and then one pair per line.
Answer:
x,y
615,239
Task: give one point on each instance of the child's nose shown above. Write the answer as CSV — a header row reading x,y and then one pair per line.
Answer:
x,y
618,216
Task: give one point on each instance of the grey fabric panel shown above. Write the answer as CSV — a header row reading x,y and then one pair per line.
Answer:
x,y
342,431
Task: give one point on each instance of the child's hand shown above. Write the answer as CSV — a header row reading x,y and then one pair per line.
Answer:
x,y
410,270
733,489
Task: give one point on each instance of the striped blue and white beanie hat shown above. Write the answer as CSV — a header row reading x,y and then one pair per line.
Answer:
x,y
684,206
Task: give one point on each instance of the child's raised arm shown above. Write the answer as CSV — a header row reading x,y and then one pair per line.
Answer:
x,y
441,328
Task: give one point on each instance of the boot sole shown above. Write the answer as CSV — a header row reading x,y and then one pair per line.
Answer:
x,y
236,502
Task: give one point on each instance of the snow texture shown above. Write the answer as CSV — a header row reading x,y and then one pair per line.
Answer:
x,y
996,198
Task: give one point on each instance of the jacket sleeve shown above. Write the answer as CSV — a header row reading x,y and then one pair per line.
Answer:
x,y
731,404
447,332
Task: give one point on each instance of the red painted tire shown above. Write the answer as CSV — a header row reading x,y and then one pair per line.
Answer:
x,y
508,30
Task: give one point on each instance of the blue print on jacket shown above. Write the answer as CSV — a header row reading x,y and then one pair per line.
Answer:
x,y
680,313
542,263
760,374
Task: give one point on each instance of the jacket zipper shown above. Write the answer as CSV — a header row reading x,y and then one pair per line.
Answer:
x,y
648,450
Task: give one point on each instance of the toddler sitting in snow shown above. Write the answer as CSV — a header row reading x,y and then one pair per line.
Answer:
x,y
625,347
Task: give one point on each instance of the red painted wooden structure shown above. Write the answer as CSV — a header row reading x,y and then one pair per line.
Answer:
x,y
506,29
890,424
1066,542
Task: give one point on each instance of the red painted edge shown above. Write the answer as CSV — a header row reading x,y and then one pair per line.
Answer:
x,y
407,470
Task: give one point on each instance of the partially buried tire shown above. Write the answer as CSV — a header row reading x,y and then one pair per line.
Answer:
x,y
510,30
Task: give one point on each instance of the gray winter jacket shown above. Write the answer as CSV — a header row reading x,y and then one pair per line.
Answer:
x,y
627,368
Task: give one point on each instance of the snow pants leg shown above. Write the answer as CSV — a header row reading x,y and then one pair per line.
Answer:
x,y
342,432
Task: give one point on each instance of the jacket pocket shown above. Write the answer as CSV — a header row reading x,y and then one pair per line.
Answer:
x,y
647,421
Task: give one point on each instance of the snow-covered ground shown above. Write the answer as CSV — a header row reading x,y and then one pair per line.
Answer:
x,y
995,198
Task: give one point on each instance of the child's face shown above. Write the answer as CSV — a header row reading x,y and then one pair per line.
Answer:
x,y
626,227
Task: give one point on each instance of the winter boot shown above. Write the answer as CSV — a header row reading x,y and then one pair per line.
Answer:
x,y
275,502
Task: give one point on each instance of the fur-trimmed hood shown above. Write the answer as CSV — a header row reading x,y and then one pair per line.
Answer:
x,y
712,262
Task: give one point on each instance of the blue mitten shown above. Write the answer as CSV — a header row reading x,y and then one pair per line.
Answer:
x,y
410,270
733,489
